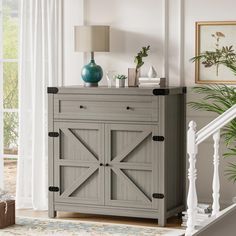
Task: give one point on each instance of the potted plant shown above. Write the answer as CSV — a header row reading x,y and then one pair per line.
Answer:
x,y
120,81
134,73
219,98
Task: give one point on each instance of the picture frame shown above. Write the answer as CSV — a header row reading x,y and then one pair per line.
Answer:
x,y
206,40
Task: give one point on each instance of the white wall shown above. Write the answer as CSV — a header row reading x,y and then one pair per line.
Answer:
x,y
130,30
169,27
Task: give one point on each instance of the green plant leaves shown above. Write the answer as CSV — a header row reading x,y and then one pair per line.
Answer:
x,y
218,99
231,172
138,60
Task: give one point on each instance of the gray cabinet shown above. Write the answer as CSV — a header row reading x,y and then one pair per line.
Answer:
x,y
117,151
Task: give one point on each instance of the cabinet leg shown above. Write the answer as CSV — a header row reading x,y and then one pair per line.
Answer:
x,y
52,213
179,215
162,222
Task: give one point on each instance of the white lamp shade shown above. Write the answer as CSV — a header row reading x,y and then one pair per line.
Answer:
x,y
93,38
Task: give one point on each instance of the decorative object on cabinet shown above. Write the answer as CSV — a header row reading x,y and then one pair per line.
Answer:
x,y
146,81
215,52
163,82
132,77
109,151
134,73
152,72
93,38
111,80
152,82
120,81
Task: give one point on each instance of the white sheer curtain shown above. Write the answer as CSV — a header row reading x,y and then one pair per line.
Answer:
x,y
40,66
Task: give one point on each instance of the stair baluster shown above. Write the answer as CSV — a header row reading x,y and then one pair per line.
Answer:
x,y
216,178
192,175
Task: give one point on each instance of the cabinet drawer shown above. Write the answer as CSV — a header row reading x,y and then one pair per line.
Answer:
x,y
106,107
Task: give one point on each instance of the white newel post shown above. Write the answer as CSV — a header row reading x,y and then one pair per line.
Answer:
x,y
216,179
192,176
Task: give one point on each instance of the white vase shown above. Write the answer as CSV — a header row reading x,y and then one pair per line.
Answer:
x,y
111,81
152,72
120,83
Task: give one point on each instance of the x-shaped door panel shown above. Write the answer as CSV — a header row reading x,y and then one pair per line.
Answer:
x,y
130,155
78,152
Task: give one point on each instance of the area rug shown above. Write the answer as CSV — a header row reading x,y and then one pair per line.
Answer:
x,y
50,227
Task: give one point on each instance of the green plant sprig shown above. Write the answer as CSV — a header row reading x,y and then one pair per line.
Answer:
x,y
138,60
121,77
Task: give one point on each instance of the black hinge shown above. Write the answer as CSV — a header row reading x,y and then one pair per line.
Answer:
x,y
53,134
53,90
161,92
158,195
158,138
184,90
53,189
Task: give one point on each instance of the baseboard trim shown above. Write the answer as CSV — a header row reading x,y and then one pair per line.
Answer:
x,y
105,210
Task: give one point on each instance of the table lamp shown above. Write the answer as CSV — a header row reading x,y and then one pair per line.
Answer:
x,y
92,38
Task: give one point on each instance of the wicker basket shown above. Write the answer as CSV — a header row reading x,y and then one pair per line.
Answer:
x,y
8,218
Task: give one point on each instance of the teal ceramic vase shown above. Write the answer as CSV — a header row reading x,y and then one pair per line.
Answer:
x,y
91,74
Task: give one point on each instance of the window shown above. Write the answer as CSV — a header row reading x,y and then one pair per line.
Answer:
x,y
9,88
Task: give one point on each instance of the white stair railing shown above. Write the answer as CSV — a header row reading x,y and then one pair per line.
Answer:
x,y
194,138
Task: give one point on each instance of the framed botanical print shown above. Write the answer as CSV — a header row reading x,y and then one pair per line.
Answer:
x,y
216,52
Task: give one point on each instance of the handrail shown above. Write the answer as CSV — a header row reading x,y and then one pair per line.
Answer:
x,y
216,124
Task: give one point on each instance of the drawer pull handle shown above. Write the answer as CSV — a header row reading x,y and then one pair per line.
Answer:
x,y
101,164
81,107
107,164
128,108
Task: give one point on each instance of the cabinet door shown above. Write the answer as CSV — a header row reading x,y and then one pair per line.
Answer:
x,y
131,174
78,152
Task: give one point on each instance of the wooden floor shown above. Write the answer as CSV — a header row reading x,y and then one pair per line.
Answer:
x,y
173,222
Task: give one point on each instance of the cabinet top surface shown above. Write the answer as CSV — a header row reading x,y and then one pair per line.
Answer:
x,y
118,91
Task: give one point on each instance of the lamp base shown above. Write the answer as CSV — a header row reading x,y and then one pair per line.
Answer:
x,y
91,84
91,74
